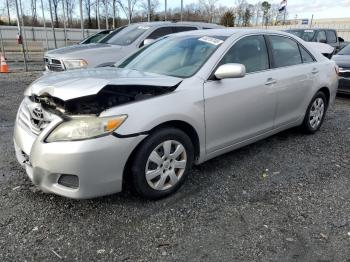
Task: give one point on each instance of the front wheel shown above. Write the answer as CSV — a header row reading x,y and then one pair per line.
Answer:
x,y
161,163
315,114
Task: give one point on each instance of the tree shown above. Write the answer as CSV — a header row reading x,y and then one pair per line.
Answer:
x,y
33,12
88,7
209,8
228,19
125,7
265,7
70,7
55,11
248,14
153,6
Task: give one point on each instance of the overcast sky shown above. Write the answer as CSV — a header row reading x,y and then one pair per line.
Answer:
x,y
301,8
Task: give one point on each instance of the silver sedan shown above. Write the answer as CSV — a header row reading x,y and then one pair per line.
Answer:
x,y
179,101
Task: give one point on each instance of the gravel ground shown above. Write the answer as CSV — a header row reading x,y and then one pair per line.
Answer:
x,y
230,208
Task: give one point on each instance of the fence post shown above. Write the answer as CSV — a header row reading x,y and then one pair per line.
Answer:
x,y
2,44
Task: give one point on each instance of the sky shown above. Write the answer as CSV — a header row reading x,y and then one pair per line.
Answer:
x,y
301,8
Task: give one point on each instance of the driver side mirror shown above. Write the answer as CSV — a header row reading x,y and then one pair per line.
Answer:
x,y
230,71
324,41
340,39
148,41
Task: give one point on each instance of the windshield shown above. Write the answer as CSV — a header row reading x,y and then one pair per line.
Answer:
x,y
306,35
345,51
126,36
179,57
111,34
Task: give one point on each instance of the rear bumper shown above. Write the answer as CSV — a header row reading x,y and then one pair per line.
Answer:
x,y
98,163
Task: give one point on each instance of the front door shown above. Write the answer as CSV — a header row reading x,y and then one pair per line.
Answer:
x,y
237,109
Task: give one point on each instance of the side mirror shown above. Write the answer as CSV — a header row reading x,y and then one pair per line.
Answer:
x,y
230,71
340,39
148,41
323,41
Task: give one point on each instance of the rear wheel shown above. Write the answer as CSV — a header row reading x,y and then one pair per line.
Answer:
x,y
315,113
161,163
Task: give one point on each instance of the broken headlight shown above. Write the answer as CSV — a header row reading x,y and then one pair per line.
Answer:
x,y
75,63
79,128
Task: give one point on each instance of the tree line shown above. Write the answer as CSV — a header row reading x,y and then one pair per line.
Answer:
x,y
114,13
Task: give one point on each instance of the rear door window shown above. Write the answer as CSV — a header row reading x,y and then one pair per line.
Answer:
x,y
159,32
321,36
331,36
285,51
305,55
184,28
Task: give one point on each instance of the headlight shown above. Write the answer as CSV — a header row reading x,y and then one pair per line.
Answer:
x,y
75,63
79,128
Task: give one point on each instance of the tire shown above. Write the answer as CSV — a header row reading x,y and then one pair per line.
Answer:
x,y
158,156
315,114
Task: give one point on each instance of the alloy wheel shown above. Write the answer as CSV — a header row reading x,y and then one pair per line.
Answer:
x,y
316,113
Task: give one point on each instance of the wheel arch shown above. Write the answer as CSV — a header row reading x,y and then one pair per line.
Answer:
x,y
187,128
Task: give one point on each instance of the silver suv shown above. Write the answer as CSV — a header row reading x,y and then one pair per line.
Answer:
x,y
183,99
115,46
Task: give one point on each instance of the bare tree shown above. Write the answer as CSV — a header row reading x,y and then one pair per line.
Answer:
x,y
8,11
55,11
33,12
124,7
209,8
153,6
88,7
228,18
70,7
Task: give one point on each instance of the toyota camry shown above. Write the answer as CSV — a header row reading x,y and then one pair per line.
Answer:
x,y
179,101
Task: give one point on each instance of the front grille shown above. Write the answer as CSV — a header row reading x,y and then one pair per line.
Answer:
x,y
53,64
344,72
28,122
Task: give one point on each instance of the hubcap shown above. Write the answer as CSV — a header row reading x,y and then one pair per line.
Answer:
x,y
165,165
316,113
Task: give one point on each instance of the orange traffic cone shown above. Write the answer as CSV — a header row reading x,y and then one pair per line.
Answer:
x,y
4,68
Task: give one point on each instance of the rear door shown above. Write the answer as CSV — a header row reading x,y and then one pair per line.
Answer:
x,y
295,73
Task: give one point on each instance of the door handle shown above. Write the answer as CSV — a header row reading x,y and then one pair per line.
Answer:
x,y
314,71
270,81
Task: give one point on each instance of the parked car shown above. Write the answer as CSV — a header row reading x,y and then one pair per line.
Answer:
x,y
185,98
343,61
321,35
95,37
115,46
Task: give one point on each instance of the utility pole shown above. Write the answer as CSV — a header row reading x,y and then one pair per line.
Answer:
x,y
114,14
42,10
81,18
64,24
165,10
149,11
8,12
23,28
182,7
312,19
98,13
52,26
20,37
2,45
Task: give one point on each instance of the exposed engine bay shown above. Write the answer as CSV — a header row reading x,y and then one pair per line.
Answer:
x,y
107,97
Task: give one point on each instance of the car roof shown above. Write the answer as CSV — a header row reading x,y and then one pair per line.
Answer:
x,y
160,23
314,29
230,31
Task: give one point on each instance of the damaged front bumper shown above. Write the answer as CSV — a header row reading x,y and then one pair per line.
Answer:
x,y
96,165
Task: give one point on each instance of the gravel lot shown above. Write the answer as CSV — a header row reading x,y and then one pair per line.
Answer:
x,y
230,209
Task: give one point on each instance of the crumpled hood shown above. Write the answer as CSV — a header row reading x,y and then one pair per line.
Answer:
x,y
78,83
342,60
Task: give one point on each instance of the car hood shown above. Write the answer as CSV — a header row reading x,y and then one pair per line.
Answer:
x,y
342,60
77,48
78,83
